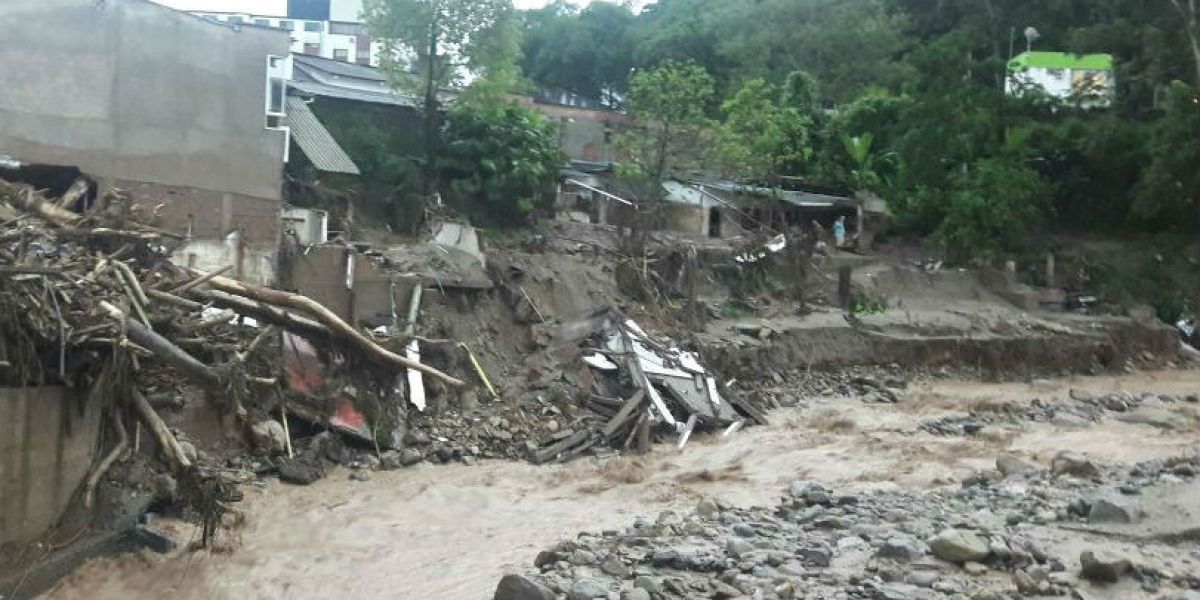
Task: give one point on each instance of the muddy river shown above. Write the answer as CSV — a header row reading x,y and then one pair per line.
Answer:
x,y
452,531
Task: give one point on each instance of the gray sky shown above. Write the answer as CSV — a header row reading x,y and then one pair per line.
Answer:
x,y
279,7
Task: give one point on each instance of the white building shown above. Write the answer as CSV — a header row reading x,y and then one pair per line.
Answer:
x,y
326,28
1085,78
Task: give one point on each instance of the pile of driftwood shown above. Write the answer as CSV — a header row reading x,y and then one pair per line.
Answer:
x,y
88,295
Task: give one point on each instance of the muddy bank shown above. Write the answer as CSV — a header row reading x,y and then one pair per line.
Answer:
x,y
452,531
1091,346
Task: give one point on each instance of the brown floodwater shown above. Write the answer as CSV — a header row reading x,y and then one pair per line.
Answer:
x,y
451,532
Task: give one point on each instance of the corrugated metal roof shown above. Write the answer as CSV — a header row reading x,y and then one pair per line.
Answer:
x,y
344,93
315,141
340,68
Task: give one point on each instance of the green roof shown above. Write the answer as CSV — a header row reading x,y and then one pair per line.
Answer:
x,y
1061,60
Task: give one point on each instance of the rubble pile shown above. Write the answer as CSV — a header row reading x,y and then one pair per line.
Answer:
x,y
90,301
983,540
634,383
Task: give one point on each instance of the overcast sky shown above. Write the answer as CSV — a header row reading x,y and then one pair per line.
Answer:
x,y
279,7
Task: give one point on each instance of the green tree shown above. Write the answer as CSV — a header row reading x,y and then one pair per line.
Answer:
x,y
432,44
500,161
763,137
991,210
586,51
669,105
1169,189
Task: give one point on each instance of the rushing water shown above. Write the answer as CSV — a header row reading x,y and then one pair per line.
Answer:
x,y
451,532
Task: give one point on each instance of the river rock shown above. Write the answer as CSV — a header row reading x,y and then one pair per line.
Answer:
x,y
1070,463
707,508
958,545
635,594
1156,417
587,589
1010,465
410,456
613,566
1102,567
270,436
300,471
1111,511
517,587
902,548
736,547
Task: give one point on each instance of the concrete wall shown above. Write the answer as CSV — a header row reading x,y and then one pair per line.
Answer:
x,y
685,218
322,273
584,134
47,443
130,90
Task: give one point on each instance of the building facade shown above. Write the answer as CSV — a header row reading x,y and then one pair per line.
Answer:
x,y
177,112
331,29
1085,78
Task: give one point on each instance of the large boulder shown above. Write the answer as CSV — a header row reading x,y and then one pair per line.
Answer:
x,y
587,589
959,546
1010,465
1102,567
300,471
519,587
1113,511
1157,417
270,436
1075,465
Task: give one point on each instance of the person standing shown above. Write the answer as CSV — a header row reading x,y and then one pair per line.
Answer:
x,y
839,231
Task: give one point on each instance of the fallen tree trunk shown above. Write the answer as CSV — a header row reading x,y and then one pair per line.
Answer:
x,y
159,430
89,493
33,202
325,317
166,351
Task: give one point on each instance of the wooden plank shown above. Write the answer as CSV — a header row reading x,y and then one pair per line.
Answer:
x,y
755,414
548,453
623,414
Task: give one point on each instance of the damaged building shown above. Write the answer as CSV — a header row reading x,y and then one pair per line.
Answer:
x,y
182,114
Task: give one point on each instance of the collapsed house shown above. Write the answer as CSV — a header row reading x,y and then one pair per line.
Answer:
x,y
641,383
715,208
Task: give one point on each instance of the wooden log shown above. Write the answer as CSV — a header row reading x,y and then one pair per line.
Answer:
x,y
264,312
325,317
177,301
623,413
552,451
643,435
31,201
89,488
199,281
159,430
165,350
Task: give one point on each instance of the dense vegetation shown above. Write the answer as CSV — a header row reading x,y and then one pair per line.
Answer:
x,y
906,97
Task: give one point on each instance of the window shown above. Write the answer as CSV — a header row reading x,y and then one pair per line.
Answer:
x,y
312,49
346,28
287,25
209,17
314,26
341,54
277,71
262,22
236,20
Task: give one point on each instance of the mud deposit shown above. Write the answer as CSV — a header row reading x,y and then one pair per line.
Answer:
x,y
453,531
